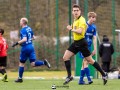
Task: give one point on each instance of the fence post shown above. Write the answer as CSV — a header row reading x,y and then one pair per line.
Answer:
x,y
113,30
27,16
57,36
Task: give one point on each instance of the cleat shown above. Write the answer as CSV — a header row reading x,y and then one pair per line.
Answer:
x,y
105,78
68,79
5,78
90,82
47,63
19,80
83,83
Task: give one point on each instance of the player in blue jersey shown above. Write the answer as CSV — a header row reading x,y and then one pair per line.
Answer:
x,y
27,49
89,36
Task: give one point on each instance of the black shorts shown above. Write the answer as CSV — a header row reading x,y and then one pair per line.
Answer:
x,y
3,61
81,46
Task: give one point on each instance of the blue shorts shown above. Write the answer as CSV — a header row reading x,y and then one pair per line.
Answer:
x,y
27,52
80,54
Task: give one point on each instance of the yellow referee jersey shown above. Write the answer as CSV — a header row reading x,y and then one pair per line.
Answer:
x,y
79,23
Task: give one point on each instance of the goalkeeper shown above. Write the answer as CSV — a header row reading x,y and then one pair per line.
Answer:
x,y
27,50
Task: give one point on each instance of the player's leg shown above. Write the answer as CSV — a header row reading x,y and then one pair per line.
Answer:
x,y
23,58
88,57
87,71
68,54
97,66
3,64
1,71
20,72
82,74
35,63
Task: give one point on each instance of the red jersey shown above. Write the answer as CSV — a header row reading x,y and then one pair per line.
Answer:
x,y
3,47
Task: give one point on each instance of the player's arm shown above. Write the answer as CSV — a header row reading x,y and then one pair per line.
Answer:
x,y
79,31
20,42
1,46
33,38
81,27
23,40
94,45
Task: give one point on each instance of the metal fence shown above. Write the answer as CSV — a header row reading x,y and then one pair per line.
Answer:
x,y
49,19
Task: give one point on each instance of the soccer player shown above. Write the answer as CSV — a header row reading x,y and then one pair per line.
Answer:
x,y
78,28
3,55
90,36
27,49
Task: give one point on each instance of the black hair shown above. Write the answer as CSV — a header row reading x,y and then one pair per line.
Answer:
x,y
2,31
105,38
76,6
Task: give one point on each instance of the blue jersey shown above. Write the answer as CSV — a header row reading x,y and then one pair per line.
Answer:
x,y
90,32
27,50
26,32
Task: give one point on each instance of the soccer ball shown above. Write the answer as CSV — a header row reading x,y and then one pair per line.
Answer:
x,y
53,87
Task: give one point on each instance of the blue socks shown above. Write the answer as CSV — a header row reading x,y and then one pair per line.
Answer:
x,y
39,63
81,76
21,70
87,72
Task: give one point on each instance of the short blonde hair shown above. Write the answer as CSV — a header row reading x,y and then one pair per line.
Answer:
x,y
92,14
24,19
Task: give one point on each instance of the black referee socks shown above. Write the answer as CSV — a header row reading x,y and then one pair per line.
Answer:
x,y
97,66
68,67
2,71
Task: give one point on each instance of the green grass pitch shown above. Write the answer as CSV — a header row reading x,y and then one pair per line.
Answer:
x,y
46,84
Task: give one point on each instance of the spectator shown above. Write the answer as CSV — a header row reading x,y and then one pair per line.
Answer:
x,y
106,50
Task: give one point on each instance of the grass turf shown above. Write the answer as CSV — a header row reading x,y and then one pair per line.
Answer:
x,y
46,84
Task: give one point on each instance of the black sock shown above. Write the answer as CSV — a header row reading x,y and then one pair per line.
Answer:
x,y
4,71
1,71
97,66
68,67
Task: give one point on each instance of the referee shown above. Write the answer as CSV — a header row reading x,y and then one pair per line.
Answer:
x,y
78,28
